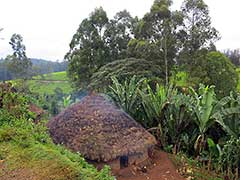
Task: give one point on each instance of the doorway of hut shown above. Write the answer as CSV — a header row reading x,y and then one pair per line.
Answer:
x,y
123,162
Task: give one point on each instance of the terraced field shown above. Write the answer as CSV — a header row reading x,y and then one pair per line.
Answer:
x,y
46,84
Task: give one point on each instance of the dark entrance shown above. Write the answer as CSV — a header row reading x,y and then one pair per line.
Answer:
x,y
123,161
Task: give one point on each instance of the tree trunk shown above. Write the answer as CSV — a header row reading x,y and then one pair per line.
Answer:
x,y
165,60
236,173
209,164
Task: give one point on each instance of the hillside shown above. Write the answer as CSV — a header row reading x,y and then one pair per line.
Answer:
x,y
47,83
27,151
40,66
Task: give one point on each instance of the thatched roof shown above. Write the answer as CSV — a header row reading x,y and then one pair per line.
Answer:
x,y
99,130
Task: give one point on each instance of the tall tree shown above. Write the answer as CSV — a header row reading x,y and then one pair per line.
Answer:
x,y
18,63
88,51
197,32
118,33
159,29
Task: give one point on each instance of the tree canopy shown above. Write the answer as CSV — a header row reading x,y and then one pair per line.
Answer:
x,y
125,69
18,63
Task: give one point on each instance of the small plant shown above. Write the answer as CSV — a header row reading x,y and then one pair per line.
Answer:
x,y
230,158
67,101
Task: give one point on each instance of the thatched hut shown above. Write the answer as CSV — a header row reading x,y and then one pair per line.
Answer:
x,y
102,133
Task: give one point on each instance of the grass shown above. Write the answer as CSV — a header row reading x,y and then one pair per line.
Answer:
x,y
56,76
26,150
48,87
47,83
191,169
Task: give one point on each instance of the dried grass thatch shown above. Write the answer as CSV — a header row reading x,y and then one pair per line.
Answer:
x,y
99,130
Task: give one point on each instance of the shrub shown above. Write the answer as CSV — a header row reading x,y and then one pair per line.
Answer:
x,y
123,70
214,68
230,158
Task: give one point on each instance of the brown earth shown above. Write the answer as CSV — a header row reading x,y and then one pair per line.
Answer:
x,y
162,169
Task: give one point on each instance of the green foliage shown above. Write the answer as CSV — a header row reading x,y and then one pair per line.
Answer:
x,y
230,158
126,95
204,106
155,101
179,78
157,36
87,49
230,116
207,110
125,69
197,31
25,145
177,117
67,101
118,33
97,42
214,152
221,73
18,63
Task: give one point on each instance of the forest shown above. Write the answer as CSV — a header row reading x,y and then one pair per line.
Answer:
x,y
164,70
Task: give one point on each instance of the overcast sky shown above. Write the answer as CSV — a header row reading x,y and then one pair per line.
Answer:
x,y
47,26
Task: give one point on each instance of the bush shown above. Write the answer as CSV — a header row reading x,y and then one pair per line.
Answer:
x,y
214,68
123,70
230,158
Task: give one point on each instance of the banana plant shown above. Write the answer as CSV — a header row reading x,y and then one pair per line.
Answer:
x,y
153,104
230,115
207,110
177,118
125,94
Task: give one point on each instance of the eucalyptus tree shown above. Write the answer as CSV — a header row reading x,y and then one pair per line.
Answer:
x,y
18,63
197,31
97,42
158,31
88,51
119,31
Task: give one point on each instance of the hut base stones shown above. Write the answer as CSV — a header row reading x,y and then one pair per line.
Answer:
x,y
102,133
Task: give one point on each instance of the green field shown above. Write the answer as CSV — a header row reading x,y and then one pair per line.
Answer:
x,y
47,83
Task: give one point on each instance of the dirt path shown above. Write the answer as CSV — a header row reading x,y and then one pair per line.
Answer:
x,y
162,169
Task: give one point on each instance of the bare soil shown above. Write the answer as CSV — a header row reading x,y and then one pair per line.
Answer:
x,y
161,169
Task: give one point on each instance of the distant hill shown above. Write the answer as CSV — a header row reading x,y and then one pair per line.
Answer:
x,y
45,66
40,66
